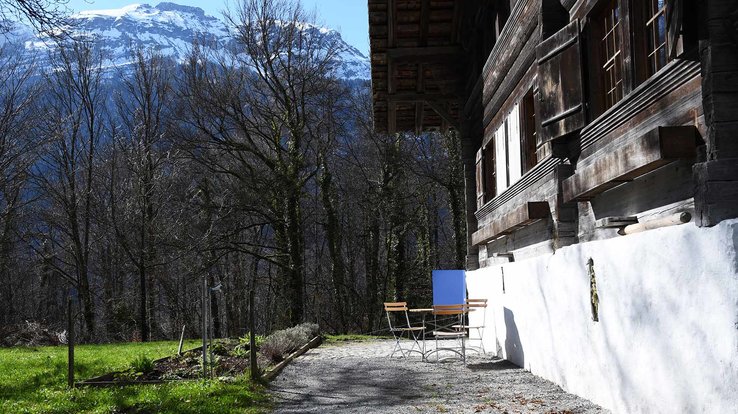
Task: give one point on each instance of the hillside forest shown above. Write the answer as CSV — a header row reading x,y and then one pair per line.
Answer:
x,y
250,166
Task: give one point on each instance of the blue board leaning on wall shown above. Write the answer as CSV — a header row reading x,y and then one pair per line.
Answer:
x,y
449,287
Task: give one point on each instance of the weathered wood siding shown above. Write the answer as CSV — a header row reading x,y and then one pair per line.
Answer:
x,y
603,150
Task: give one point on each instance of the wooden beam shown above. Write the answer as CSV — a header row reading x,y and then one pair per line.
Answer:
x,y
419,106
419,109
391,118
425,54
391,75
424,18
524,215
419,84
609,169
444,114
615,222
391,12
456,21
420,97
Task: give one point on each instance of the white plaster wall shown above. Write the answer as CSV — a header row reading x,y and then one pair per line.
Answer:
x,y
667,339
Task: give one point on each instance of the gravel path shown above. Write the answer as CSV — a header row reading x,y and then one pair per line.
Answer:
x,y
358,377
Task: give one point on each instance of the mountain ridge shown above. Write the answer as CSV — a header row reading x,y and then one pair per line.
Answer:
x,y
170,29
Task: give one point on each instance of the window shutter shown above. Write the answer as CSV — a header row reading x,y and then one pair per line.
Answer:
x,y
480,179
500,159
561,99
513,145
681,29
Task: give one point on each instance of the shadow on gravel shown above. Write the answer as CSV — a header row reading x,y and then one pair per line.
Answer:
x,y
496,365
357,386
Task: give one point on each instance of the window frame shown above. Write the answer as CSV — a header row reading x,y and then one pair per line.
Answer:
x,y
595,60
497,152
635,49
641,40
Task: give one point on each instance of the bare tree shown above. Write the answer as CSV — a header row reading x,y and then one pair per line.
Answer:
x,y
252,113
47,16
66,171
18,144
139,198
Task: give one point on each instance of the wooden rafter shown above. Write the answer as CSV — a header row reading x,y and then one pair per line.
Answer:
x,y
419,97
420,82
425,54
391,77
444,114
456,21
415,62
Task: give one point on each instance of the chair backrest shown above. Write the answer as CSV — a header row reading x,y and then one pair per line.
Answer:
x,y
395,306
476,303
399,307
479,304
456,309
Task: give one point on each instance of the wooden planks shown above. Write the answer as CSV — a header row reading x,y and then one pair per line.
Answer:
x,y
416,57
656,148
521,216
560,106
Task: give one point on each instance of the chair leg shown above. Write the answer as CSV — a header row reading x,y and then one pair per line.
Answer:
x,y
398,346
481,340
463,350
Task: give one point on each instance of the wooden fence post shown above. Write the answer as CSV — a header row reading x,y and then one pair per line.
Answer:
x,y
70,343
181,340
252,338
204,326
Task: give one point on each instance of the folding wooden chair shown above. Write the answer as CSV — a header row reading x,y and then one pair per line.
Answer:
x,y
479,305
415,333
447,331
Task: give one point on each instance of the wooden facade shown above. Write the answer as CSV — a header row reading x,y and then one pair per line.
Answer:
x,y
572,113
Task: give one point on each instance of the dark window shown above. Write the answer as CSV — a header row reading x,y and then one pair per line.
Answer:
x,y
529,132
611,60
630,42
656,44
489,172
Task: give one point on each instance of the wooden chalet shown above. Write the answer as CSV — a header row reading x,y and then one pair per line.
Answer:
x,y
577,117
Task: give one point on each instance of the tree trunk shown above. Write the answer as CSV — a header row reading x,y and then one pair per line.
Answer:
x,y
372,271
295,252
333,236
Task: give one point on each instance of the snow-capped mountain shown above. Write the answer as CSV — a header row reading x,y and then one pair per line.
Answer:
x,y
169,28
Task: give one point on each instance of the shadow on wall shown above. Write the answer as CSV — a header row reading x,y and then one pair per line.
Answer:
x,y
513,347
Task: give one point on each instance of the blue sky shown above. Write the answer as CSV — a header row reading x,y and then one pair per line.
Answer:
x,y
347,16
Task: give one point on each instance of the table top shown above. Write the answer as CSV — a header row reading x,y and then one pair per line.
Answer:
x,y
419,310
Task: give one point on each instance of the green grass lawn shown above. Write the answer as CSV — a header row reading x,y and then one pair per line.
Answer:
x,y
33,380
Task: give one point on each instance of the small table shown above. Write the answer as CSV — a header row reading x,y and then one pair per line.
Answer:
x,y
423,311
464,310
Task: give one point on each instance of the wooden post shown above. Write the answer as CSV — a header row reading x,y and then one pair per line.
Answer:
x,y
70,343
204,326
252,338
181,340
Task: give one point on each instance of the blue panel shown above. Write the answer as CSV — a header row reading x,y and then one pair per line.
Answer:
x,y
449,287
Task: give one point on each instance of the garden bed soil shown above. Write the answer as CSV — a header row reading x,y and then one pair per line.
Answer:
x,y
231,360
